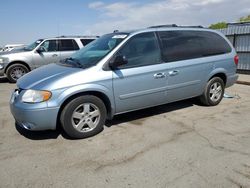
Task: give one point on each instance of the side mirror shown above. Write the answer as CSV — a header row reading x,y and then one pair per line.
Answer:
x,y
41,49
118,61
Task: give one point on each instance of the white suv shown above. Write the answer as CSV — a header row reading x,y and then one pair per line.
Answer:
x,y
18,62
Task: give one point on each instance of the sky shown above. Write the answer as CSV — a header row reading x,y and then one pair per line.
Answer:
x,y
24,21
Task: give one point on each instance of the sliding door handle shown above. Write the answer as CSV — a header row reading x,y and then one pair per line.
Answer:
x,y
173,72
159,75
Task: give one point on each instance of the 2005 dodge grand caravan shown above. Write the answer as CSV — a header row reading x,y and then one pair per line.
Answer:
x,y
122,72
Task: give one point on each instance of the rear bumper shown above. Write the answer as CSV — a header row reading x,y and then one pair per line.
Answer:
x,y
231,80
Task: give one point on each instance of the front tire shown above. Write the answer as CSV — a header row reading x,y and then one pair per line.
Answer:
x,y
16,71
84,116
213,93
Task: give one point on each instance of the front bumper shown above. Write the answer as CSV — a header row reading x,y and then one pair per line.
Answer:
x,y
34,119
1,69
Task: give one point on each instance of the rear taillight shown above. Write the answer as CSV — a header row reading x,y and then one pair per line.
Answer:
x,y
236,60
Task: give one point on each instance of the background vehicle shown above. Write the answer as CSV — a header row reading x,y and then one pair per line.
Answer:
x,y
16,63
122,72
10,47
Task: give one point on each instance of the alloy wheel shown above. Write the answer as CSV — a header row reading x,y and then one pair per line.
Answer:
x,y
215,92
85,117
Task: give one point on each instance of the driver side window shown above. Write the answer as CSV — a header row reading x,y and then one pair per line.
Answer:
x,y
49,46
141,50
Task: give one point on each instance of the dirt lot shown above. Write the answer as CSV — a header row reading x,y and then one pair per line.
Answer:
x,y
175,145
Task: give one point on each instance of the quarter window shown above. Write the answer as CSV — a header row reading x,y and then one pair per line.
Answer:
x,y
181,45
86,41
141,50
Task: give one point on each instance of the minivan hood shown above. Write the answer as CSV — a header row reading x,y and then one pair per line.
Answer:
x,y
42,77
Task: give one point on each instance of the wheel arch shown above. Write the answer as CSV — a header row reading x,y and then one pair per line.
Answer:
x,y
17,62
98,94
221,73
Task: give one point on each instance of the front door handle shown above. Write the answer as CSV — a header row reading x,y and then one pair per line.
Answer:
x,y
159,75
54,55
173,72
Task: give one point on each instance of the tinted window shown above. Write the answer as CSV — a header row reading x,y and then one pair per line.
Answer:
x,y
68,45
141,50
86,41
181,45
50,45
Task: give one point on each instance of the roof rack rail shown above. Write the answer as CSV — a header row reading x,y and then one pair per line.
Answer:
x,y
192,26
168,25
174,25
76,36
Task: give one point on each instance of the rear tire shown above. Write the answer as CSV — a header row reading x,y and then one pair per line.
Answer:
x,y
83,117
213,92
16,71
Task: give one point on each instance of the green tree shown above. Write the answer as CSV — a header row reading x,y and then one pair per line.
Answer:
x,y
245,19
219,25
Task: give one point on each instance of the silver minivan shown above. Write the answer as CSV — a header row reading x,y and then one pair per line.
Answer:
x,y
122,72
16,63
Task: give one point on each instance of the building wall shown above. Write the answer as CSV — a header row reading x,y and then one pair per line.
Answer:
x,y
239,36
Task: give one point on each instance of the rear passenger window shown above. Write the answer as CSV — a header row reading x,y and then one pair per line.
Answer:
x,y
86,41
141,50
181,45
68,45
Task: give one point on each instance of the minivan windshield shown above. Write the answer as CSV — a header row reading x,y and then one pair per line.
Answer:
x,y
33,45
92,53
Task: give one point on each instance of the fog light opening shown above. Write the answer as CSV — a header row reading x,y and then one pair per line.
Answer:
x,y
28,125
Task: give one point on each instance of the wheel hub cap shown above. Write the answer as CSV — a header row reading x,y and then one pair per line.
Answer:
x,y
85,117
17,72
215,91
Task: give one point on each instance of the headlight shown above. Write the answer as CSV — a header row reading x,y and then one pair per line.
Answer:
x,y
34,96
3,60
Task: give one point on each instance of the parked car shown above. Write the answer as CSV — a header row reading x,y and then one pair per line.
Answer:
x,y
10,47
122,72
16,63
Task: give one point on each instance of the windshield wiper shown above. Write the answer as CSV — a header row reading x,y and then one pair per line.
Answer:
x,y
75,61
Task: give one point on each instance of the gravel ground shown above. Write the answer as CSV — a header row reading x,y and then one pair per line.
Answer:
x,y
176,145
